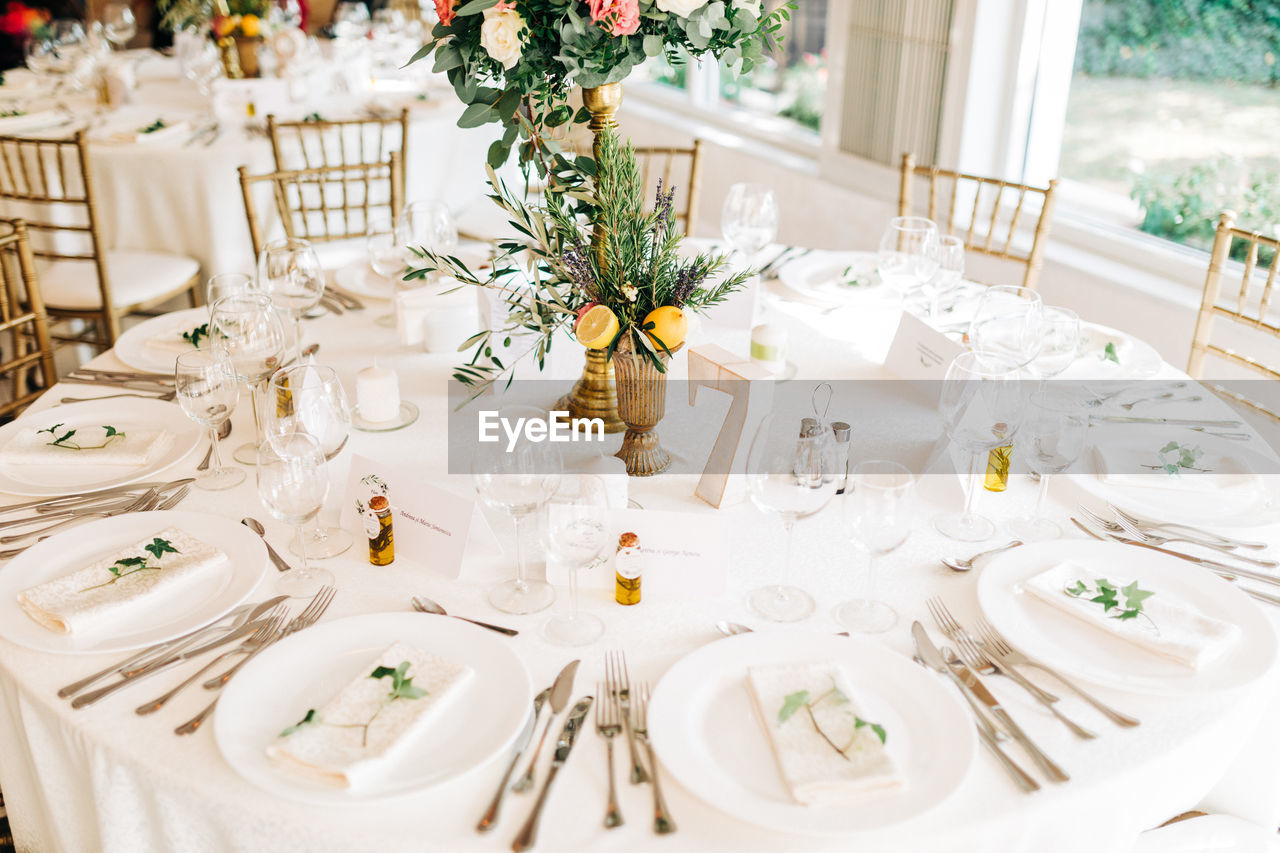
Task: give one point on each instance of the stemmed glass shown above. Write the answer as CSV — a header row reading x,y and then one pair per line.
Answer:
x,y
292,484
877,516
68,37
790,475
425,224
226,284
246,330
749,219
207,392
980,404
118,23
1059,343
351,20
1006,325
518,481
576,534
1053,437
202,65
289,271
950,272
908,253
309,399
386,258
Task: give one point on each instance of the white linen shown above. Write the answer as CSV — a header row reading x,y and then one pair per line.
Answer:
x,y
171,132
30,121
811,768
89,599
1172,628
136,447
173,343
334,750
1123,463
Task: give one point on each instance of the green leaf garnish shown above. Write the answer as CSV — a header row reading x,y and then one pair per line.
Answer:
x,y
158,124
126,566
193,337
794,702
1109,353
307,720
1175,458
791,704
64,439
1105,593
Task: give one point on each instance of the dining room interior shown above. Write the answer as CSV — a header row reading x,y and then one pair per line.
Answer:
x,y
851,424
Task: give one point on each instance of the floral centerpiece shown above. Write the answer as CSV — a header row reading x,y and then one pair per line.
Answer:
x,y
236,26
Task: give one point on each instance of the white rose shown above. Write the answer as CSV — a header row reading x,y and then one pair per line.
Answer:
x,y
683,8
752,6
500,35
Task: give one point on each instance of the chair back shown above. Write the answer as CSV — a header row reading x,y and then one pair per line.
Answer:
x,y
315,143
1250,346
26,350
994,217
678,167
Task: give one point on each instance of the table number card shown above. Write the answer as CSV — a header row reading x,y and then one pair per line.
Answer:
x,y
919,351
751,387
433,526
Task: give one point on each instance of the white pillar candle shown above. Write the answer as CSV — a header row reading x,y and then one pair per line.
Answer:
x,y
378,394
612,471
769,347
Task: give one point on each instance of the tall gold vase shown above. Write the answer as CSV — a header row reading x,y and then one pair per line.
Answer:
x,y
594,395
642,401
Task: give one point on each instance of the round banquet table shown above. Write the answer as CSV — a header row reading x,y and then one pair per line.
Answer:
x,y
103,778
171,196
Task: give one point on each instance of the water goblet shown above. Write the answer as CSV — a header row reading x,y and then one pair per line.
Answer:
x,y
292,485
118,23
246,330
289,271
908,253
577,531
950,272
749,219
226,284
1006,325
1059,342
1052,436
386,259
207,392
877,507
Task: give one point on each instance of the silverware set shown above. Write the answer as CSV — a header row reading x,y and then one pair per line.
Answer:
x,y
131,383
986,652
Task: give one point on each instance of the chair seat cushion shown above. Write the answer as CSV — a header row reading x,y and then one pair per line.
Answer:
x,y
137,277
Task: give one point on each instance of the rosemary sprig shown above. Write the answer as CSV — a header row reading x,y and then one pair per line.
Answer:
x,y
64,439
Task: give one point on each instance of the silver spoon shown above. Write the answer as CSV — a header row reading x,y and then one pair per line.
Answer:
x,y
256,526
962,564
422,604
731,628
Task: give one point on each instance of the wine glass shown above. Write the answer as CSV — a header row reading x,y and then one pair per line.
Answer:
x,y
69,38
576,533
749,219
518,481
292,484
202,65
1059,342
246,330
289,270
1006,325
908,253
351,20
386,259
949,274
118,23
1053,438
877,509
425,224
207,392
980,404
39,56
226,284
792,475
309,399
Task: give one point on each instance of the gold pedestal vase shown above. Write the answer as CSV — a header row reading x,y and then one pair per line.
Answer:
x,y
642,401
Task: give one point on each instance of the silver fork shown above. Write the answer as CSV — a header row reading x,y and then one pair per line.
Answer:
x,y
977,659
615,668
995,643
257,638
1157,539
143,504
1209,535
662,822
609,724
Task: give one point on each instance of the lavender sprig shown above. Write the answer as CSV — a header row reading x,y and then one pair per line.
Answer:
x,y
579,268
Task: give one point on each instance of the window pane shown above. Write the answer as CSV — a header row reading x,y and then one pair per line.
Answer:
x,y
659,70
794,84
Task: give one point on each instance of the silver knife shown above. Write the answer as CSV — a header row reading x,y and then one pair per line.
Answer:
x,y
490,818
932,657
561,689
528,835
1126,419
1212,565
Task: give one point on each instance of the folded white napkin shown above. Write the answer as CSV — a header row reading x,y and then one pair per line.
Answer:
x,y
30,121
93,598
335,748
168,132
134,448
1171,627
812,769
172,343
1122,462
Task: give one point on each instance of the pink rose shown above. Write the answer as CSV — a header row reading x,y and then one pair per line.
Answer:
x,y
506,6
446,10
619,17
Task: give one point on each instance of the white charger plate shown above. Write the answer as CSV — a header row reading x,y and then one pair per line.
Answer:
x,y
1141,361
82,475
132,348
305,670
706,731
819,274
356,277
170,615
1082,651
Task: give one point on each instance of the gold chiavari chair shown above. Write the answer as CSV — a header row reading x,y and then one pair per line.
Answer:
x,y
680,167
48,183
1255,325
327,203
988,212
26,351
348,142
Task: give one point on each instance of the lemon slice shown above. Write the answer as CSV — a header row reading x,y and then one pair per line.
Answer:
x,y
597,328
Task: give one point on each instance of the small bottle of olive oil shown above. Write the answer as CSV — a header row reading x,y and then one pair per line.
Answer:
x,y
997,476
627,568
382,548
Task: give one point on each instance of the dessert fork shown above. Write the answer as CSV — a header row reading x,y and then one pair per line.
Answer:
x,y
662,822
619,682
609,724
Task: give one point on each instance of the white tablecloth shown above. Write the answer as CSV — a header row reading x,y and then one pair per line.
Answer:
x,y
104,778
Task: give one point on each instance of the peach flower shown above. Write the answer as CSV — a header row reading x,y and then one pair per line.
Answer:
x,y
619,17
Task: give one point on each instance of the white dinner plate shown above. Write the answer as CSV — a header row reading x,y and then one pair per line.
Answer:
x,y
356,277
305,670
820,275
706,731
83,476
132,347
1139,360
1082,651
171,615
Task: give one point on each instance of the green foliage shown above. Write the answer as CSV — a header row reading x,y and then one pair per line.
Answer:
x,y
126,566
63,439
1107,595
793,702
193,337
1175,456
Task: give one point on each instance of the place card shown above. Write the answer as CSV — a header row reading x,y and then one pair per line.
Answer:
x,y
919,351
683,555
433,527
751,390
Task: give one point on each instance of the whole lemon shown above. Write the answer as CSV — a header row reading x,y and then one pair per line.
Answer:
x,y
670,326
250,26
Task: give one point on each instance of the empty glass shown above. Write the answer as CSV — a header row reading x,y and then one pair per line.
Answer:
x,y
1059,342
518,482
118,23
309,399
292,484
1006,326
908,253
201,64
207,392
226,284
289,271
790,476
749,219
387,260
877,508
1052,438
949,275
425,224
246,330
980,404
577,532
351,20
